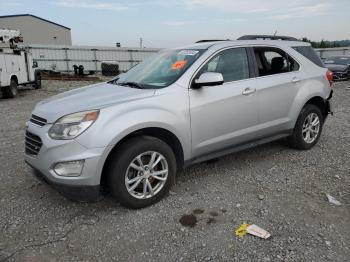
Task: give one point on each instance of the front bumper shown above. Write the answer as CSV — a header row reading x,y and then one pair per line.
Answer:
x,y
83,187
73,192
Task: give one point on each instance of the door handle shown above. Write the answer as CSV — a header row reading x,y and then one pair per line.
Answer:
x,y
295,80
248,91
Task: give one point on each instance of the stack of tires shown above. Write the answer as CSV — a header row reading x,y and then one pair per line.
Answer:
x,y
110,68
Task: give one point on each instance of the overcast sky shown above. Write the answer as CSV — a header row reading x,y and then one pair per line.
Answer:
x,y
169,23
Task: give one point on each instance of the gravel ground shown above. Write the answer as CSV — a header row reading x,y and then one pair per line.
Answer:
x,y
278,188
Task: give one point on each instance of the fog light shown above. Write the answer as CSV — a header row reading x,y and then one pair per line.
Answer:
x,y
71,168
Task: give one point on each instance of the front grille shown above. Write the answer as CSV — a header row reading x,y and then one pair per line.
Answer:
x,y
38,120
33,144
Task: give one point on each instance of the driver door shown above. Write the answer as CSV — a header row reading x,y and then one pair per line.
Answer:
x,y
225,115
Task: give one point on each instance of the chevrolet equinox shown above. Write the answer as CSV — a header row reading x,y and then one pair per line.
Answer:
x,y
181,106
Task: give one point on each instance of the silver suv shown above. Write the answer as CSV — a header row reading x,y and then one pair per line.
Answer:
x,y
182,106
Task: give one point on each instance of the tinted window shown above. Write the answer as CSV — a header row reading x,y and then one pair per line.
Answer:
x,y
271,61
231,63
310,54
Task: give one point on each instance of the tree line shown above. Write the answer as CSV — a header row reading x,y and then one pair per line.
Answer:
x,y
327,44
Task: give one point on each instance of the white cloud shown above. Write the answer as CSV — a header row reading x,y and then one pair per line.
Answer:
x,y
179,23
175,23
276,9
9,4
93,5
303,11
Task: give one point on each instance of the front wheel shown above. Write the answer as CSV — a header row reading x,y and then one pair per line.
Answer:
x,y
308,128
141,171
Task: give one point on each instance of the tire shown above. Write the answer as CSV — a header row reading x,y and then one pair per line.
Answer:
x,y
120,171
37,82
10,91
299,139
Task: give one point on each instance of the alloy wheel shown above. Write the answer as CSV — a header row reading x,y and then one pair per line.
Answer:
x,y
146,175
311,128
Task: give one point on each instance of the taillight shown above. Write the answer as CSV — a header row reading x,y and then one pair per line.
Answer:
x,y
329,76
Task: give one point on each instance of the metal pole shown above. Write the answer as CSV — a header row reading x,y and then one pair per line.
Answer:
x,y
131,60
66,58
95,58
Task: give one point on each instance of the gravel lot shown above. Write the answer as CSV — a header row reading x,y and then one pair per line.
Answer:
x,y
278,188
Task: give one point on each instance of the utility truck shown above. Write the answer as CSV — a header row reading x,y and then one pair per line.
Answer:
x,y
16,64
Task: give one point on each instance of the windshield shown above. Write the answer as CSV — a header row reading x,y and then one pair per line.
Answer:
x,y
338,60
160,70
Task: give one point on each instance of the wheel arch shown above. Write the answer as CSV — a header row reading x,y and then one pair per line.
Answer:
x,y
320,103
14,77
157,132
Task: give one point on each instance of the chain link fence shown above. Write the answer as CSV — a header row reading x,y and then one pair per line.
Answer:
x,y
63,58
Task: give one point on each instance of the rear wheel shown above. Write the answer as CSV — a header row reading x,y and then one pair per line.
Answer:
x,y
308,128
141,172
37,83
10,91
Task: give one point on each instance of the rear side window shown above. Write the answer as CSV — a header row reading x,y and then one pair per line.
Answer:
x,y
310,54
231,63
271,61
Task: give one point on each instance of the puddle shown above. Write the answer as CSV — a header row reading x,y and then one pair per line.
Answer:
x,y
188,220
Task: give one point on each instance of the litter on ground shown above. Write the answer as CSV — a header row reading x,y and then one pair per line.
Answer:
x,y
252,230
332,200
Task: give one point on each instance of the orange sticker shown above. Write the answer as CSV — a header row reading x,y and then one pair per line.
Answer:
x,y
179,64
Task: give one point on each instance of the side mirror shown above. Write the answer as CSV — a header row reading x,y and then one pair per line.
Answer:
x,y
208,79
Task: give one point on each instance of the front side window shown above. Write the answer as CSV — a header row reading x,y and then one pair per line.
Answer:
x,y
231,63
160,70
271,61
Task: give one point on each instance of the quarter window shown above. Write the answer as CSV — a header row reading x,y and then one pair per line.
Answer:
x,y
231,63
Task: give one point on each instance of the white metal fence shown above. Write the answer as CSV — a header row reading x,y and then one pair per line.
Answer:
x,y
338,51
62,58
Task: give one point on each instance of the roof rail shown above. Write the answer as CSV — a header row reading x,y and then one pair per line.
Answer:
x,y
211,40
267,37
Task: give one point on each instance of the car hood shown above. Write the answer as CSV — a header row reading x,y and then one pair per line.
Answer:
x,y
88,98
336,67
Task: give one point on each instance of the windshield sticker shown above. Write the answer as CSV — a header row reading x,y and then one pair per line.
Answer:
x,y
179,64
188,52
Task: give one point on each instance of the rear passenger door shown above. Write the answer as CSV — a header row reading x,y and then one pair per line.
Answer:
x,y
279,79
224,115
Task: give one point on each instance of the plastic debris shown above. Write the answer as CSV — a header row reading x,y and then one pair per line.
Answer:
x,y
332,200
242,230
252,230
257,231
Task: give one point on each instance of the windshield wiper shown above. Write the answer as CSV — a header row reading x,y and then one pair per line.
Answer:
x,y
131,84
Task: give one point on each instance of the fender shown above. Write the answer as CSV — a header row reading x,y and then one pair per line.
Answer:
x,y
118,126
315,88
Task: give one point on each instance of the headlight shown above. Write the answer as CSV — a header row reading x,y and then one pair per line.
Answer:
x,y
71,126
